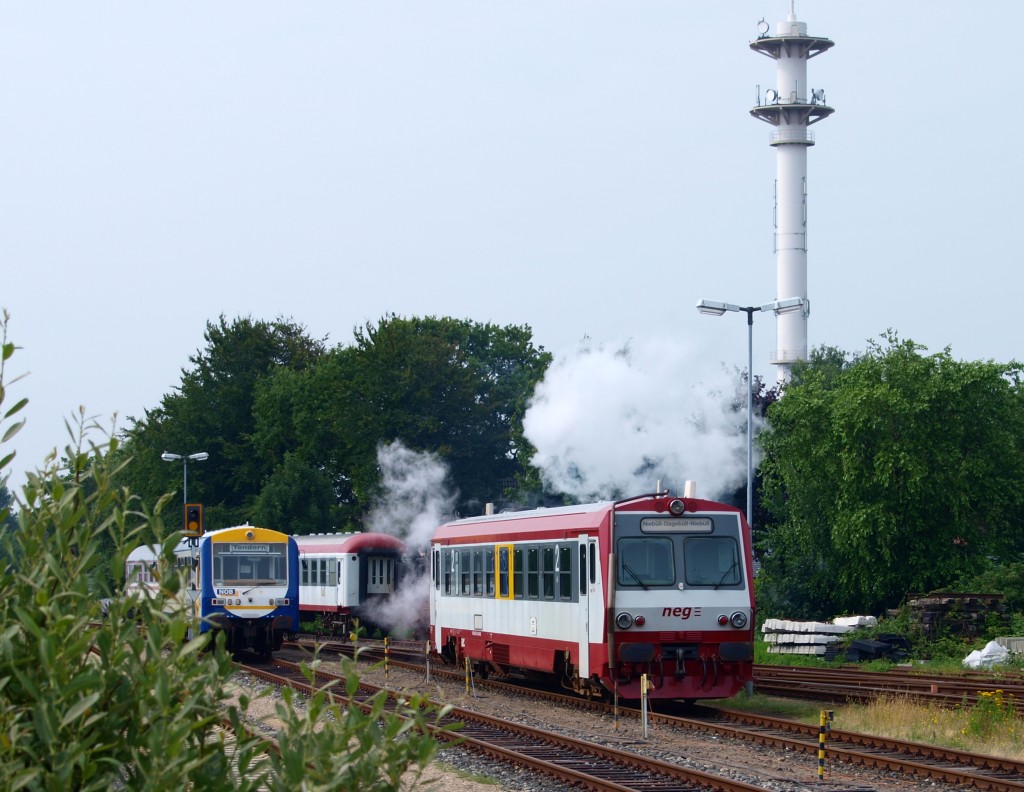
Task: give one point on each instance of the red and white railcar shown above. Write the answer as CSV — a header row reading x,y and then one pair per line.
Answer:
x,y
343,576
599,594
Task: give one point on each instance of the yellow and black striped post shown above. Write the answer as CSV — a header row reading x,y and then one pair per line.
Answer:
x,y
387,657
823,729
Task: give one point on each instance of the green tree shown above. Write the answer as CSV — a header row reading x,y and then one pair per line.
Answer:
x,y
122,701
453,387
8,519
300,420
295,498
212,411
886,474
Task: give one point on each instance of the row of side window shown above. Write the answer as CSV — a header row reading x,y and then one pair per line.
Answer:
x,y
528,571
318,571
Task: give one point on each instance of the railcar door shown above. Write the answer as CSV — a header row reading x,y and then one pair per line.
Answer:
x,y
435,593
586,548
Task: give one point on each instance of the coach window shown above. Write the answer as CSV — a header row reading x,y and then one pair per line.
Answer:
x,y
435,568
583,568
489,571
712,561
323,571
532,573
464,572
478,573
547,572
448,572
646,561
564,571
304,575
518,574
503,572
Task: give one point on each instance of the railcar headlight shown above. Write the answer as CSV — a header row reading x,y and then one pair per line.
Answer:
x,y
676,506
623,621
738,620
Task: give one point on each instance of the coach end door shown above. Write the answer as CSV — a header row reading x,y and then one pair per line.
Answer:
x,y
586,548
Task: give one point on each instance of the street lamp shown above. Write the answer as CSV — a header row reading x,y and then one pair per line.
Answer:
x,y
166,456
713,308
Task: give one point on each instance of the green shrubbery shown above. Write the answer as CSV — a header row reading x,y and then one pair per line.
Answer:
x,y
120,700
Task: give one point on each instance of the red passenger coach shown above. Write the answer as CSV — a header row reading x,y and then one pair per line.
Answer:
x,y
343,576
597,595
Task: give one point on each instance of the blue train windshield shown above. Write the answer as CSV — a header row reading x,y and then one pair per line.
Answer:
x,y
250,563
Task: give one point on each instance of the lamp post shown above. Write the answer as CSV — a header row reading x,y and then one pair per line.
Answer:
x,y
713,308
201,456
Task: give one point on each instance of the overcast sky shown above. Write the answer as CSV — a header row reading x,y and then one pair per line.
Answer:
x,y
588,168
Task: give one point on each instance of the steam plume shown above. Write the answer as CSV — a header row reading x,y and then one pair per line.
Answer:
x,y
611,422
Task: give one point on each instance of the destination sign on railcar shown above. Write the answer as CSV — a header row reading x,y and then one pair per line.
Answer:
x,y
676,524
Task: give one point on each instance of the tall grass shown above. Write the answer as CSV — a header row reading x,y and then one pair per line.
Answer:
x,y
991,726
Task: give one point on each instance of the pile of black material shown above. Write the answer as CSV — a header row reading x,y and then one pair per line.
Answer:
x,y
885,646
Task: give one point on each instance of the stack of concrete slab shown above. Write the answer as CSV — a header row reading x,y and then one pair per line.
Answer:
x,y
1014,645
810,637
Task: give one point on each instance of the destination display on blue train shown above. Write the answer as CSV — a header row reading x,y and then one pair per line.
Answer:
x,y
677,525
250,549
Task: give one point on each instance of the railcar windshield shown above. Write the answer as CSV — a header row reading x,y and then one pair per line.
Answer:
x,y
712,561
250,563
695,552
646,561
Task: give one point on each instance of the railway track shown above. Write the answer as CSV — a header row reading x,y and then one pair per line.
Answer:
x,y
844,684
978,771
911,759
564,759
817,684
920,760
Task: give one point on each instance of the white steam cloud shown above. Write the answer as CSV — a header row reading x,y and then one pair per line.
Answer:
x,y
416,499
613,422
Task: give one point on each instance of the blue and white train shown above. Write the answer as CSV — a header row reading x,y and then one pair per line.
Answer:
x,y
243,581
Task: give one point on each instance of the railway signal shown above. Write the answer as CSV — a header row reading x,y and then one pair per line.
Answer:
x,y
193,519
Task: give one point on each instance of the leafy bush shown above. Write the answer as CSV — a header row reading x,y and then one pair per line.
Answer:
x,y
94,701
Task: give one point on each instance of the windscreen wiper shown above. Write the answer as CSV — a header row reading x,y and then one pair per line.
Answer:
x,y
725,574
636,577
